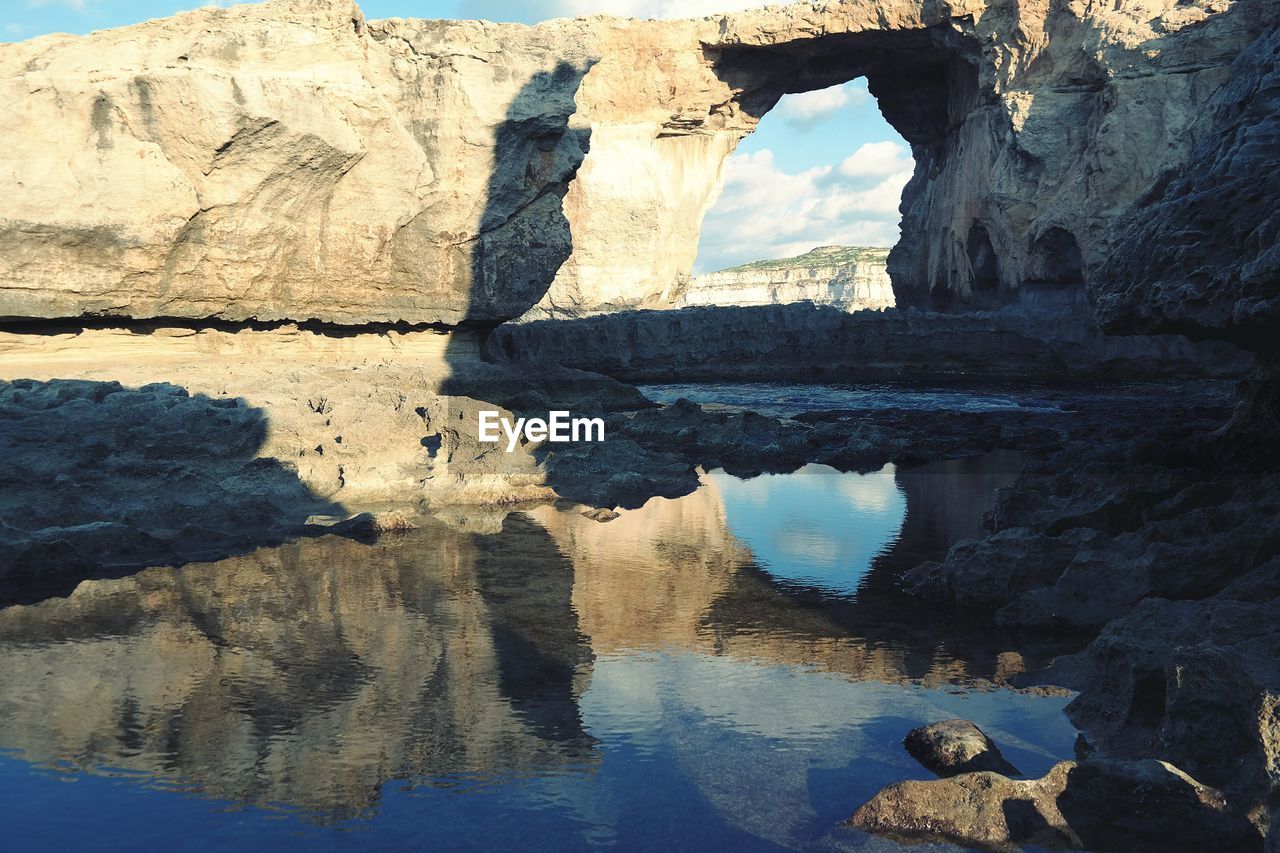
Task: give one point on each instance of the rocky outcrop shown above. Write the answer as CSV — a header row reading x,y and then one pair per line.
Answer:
x,y
276,162
1157,537
1196,681
129,447
845,277
291,161
1200,254
952,747
1043,337
1092,805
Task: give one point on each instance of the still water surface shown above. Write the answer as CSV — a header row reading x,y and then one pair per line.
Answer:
x,y
731,670
785,399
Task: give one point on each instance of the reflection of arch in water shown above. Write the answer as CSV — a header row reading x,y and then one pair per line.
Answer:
x,y
672,575
310,674
816,526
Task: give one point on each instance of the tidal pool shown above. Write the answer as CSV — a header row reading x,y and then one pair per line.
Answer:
x,y
730,670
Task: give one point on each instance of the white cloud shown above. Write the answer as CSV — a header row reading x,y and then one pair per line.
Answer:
x,y
766,212
14,29
873,159
809,108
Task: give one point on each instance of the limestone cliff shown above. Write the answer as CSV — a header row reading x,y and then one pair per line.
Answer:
x,y
1200,253
291,161
846,277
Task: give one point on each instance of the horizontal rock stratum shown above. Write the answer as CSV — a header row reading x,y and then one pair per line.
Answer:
x,y
850,278
291,161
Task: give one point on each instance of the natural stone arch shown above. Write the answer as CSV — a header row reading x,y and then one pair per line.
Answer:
x,y
924,79
126,196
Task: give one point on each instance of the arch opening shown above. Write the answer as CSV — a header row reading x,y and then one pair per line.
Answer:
x,y
916,87
984,267
809,208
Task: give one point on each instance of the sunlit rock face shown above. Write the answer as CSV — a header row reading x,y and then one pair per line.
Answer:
x,y
846,277
276,161
291,161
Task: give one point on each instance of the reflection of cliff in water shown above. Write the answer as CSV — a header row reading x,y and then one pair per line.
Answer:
x,y
879,633
313,673
308,674
673,575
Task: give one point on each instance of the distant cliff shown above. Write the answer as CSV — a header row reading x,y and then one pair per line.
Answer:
x,y
851,278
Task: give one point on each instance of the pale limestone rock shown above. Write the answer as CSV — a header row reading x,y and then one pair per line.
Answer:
x,y
1092,805
290,161
362,421
276,162
848,278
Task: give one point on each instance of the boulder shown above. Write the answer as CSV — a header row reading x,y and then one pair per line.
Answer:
x,y
952,747
1092,805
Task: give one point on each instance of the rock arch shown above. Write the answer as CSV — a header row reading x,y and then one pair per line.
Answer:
x,y
1021,116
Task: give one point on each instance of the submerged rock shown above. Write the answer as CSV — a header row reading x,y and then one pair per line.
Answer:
x,y
1091,805
951,747
1162,541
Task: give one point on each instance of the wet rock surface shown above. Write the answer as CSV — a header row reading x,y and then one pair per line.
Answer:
x,y
98,475
203,445
1161,541
951,747
1090,805
745,443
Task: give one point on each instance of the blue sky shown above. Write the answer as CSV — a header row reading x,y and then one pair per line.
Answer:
x,y
823,168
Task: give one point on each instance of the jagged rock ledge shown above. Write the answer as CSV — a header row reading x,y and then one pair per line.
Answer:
x,y
1051,340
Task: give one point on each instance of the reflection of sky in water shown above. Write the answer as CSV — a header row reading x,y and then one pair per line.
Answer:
x,y
815,526
700,752
560,685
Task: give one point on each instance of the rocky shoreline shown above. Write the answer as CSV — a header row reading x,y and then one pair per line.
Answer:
x,y
273,308
1051,336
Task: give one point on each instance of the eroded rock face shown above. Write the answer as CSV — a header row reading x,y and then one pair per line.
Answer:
x,y
291,161
278,162
1201,254
1159,538
850,278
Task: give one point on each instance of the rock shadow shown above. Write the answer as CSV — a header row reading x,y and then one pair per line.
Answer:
x,y
522,236
102,480
311,674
